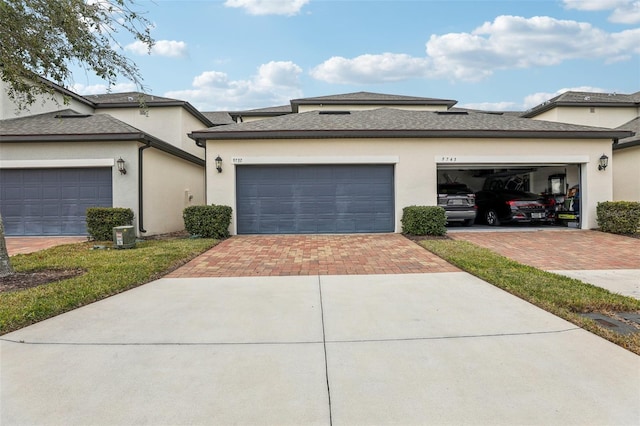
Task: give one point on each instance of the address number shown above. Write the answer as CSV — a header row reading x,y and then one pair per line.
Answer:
x,y
237,160
448,159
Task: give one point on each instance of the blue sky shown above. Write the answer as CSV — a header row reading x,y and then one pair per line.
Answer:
x,y
499,55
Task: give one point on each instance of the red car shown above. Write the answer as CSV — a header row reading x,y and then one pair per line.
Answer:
x,y
510,206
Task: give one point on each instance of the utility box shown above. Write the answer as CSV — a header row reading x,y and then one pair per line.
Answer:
x,y
124,237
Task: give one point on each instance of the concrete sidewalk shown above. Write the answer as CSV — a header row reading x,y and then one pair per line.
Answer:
x,y
444,348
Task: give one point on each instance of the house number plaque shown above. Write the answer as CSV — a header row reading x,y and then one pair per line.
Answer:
x,y
448,159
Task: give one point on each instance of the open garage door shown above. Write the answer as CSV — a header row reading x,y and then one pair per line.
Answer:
x,y
501,190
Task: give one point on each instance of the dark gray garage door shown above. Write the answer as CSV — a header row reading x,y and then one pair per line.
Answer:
x,y
315,199
52,201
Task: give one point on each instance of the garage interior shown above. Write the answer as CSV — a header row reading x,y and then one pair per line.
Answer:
x,y
559,182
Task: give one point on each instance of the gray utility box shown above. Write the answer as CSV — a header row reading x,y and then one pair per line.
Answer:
x,y
124,237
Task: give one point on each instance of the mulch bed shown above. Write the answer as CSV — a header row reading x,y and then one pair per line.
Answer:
x,y
418,238
24,280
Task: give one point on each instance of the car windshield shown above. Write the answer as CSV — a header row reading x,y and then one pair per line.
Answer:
x,y
454,189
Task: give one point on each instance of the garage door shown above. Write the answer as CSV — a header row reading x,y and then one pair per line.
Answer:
x,y
315,199
52,201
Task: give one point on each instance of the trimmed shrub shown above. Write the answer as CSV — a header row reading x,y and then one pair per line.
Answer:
x,y
207,221
424,220
619,217
102,220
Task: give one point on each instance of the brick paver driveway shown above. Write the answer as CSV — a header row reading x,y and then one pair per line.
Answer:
x,y
561,250
24,245
282,255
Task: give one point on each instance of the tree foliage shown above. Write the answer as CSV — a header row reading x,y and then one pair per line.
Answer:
x,y
46,38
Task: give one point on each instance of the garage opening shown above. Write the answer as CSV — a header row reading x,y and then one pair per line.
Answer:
x,y
314,199
501,194
52,201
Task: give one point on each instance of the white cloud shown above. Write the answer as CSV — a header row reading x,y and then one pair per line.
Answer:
x,y
622,11
363,69
514,42
98,89
275,83
268,7
530,101
168,48
509,42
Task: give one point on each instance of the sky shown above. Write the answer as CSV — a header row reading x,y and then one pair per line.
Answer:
x,y
231,55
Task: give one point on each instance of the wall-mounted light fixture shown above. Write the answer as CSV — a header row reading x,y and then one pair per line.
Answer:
x,y
603,162
121,168
219,164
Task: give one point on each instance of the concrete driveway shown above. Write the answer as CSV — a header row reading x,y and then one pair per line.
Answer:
x,y
410,349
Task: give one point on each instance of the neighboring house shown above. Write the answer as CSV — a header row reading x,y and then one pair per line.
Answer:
x,y
626,164
57,159
259,114
611,110
351,163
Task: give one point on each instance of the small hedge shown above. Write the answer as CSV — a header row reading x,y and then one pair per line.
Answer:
x,y
102,220
619,217
207,221
424,220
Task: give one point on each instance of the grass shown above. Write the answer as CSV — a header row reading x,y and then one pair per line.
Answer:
x,y
560,295
108,272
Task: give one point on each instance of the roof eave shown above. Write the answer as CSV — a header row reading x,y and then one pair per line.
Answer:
x,y
77,137
383,103
106,137
361,134
621,146
185,105
548,107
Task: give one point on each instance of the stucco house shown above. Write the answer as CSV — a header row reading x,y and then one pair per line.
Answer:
x,y
60,157
352,162
612,110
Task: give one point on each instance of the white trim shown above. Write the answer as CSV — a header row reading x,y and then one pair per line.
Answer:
x,y
364,159
511,159
67,163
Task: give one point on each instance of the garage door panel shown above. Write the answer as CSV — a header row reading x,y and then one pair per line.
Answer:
x,y
52,201
315,199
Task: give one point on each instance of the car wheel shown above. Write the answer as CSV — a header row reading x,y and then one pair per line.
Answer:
x,y
469,222
491,218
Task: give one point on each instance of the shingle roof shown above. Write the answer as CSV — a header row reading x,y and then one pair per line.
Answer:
x,y
369,98
634,126
275,110
218,118
390,123
585,99
65,122
70,126
132,98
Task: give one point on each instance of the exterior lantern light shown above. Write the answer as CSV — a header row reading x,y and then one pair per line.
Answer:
x,y
121,168
603,162
218,164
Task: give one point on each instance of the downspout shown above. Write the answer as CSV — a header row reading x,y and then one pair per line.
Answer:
x,y
140,188
204,145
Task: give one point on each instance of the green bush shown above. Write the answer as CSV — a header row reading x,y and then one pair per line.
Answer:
x,y
207,221
424,220
102,220
619,217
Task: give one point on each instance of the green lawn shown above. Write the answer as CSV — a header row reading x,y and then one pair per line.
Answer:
x,y
560,295
108,272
